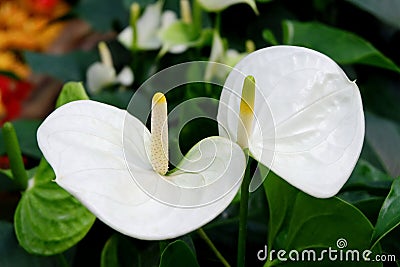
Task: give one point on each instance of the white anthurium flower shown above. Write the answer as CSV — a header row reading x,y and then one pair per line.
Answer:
x,y
216,6
307,121
102,74
147,29
150,28
169,18
83,142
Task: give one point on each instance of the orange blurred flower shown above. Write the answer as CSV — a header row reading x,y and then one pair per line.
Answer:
x,y
27,25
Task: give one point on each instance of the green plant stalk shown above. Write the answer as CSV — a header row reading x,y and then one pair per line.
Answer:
x,y
197,16
244,207
62,260
15,157
134,16
205,237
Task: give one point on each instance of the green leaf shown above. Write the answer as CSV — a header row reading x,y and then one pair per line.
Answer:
x,y
384,137
367,176
389,215
102,14
71,91
48,220
304,222
269,36
67,67
274,186
387,11
142,3
342,46
12,255
178,254
119,252
118,99
26,134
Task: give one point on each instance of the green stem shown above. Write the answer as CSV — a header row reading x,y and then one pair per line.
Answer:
x,y
134,16
244,206
15,157
197,16
217,25
204,236
62,260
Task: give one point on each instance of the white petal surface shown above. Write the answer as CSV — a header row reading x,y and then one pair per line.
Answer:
x,y
309,119
147,26
125,37
211,170
126,76
98,76
212,5
83,142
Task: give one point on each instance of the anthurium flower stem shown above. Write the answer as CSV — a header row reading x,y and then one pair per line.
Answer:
x,y
205,237
244,206
197,16
135,12
62,260
14,155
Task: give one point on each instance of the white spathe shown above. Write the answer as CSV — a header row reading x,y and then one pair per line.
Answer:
x,y
309,120
100,75
147,29
212,5
83,142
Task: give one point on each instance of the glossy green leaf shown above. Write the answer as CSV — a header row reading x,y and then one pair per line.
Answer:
x,y
274,186
389,215
71,91
387,11
384,137
67,67
48,220
342,46
119,252
12,255
118,99
178,254
26,134
305,222
367,176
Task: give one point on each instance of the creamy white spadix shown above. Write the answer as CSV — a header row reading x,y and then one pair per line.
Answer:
x,y
83,142
308,122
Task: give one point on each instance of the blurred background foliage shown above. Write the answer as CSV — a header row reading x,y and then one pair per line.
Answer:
x,y
45,43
